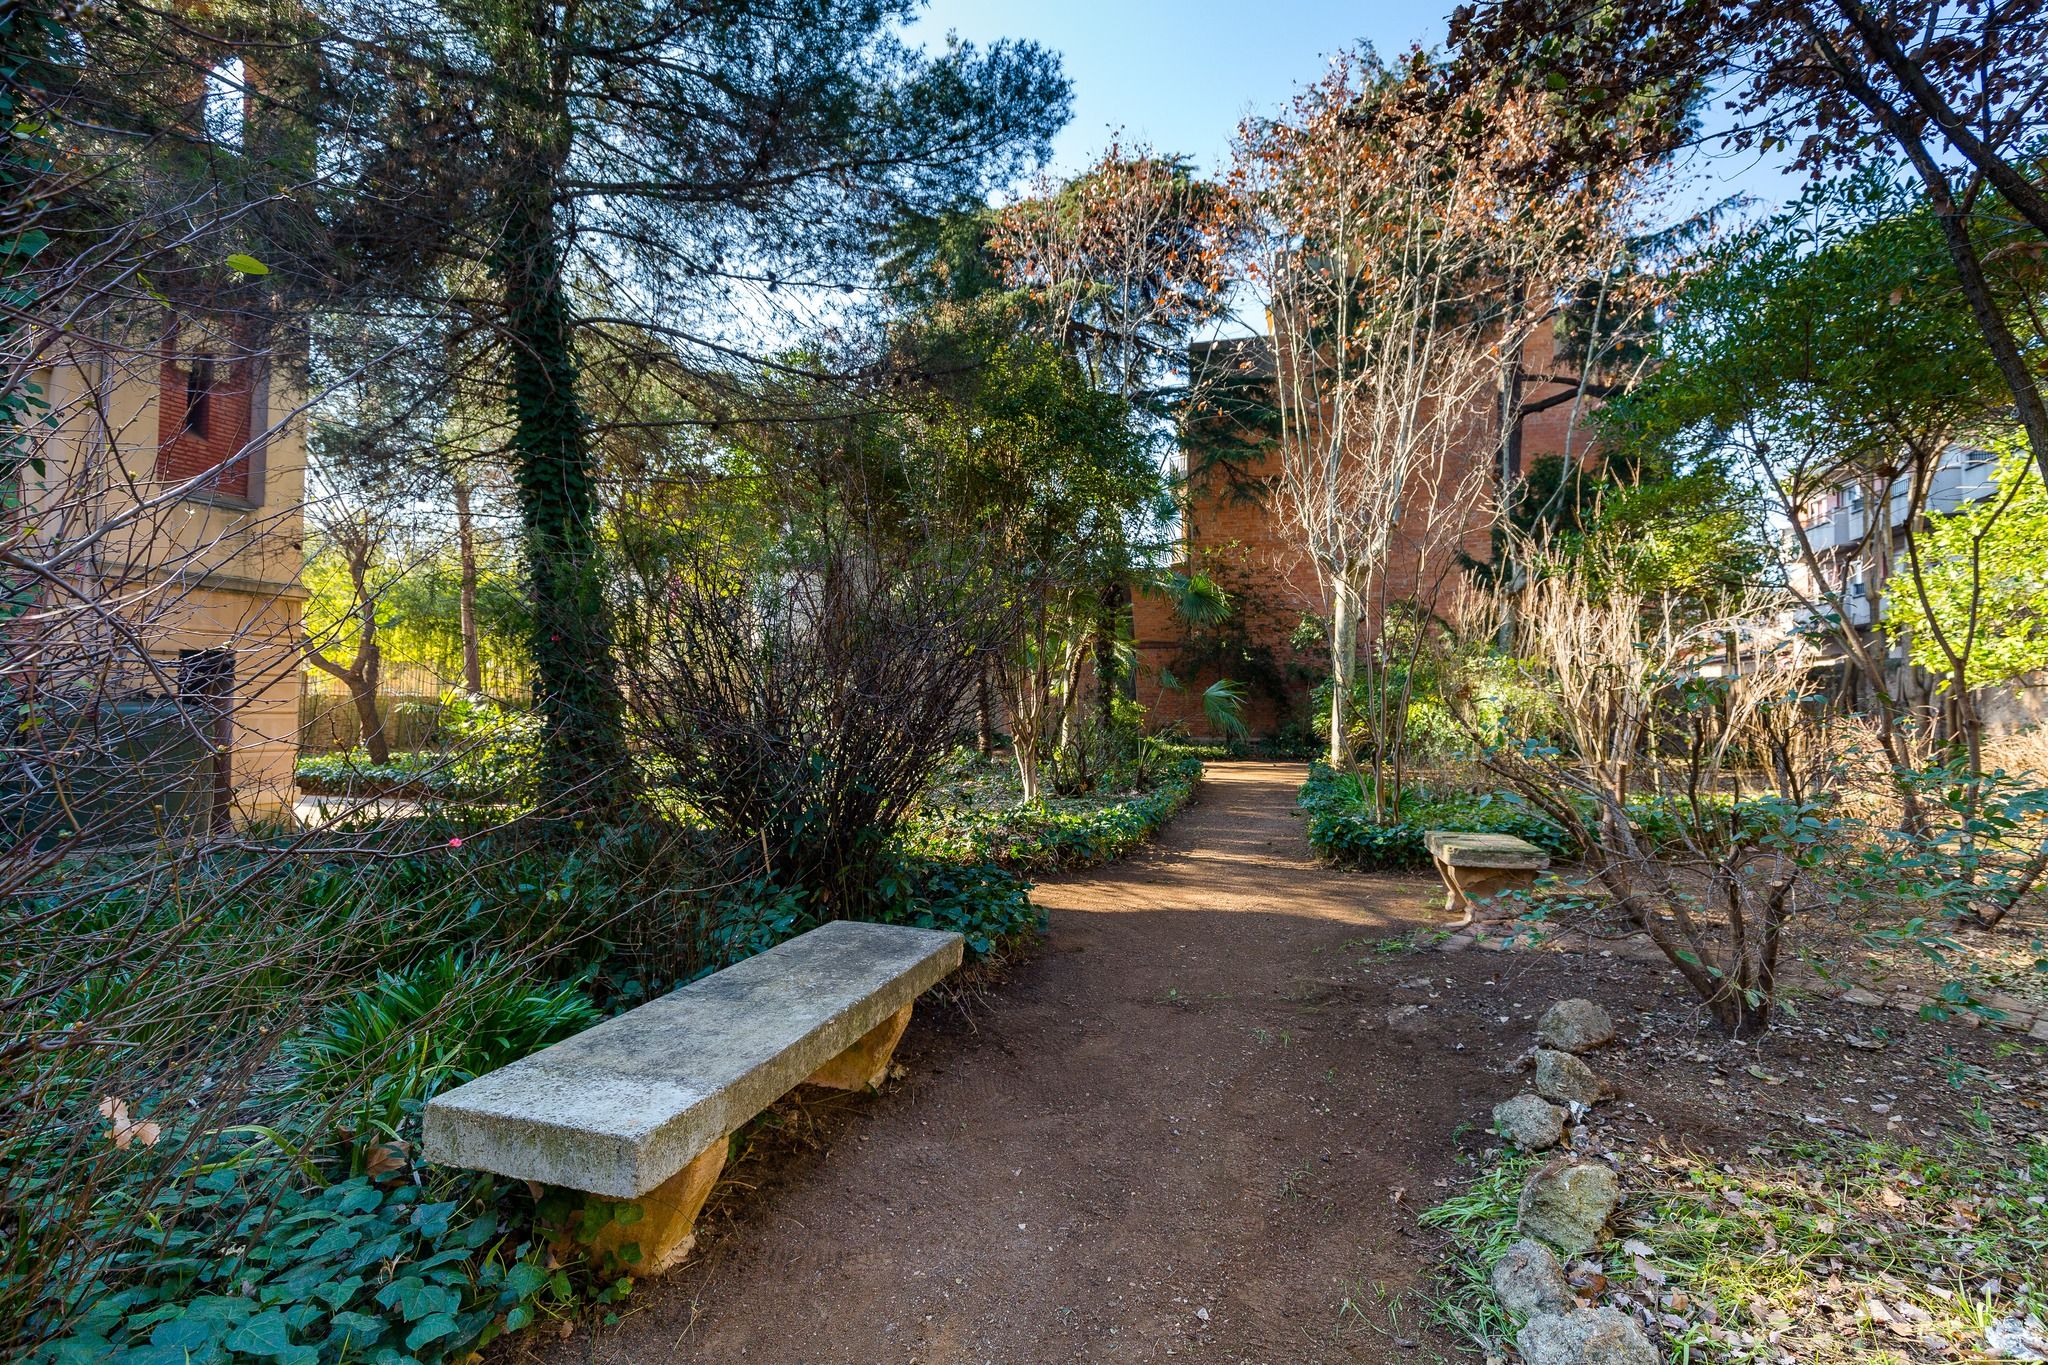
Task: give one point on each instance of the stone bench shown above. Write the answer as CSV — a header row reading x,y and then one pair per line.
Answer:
x,y
638,1109
1478,867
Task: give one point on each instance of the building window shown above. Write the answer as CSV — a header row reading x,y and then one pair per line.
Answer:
x,y
198,395
203,423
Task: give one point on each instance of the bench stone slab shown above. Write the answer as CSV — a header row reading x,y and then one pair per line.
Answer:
x,y
1456,849
623,1107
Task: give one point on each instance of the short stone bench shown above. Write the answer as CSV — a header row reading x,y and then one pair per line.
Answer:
x,y
639,1108
1478,867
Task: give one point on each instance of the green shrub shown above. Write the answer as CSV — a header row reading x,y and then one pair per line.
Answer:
x,y
1342,829
983,903
217,1241
227,1271
1056,834
408,1034
492,754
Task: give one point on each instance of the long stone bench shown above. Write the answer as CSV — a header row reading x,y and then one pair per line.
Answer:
x,y
1477,867
638,1109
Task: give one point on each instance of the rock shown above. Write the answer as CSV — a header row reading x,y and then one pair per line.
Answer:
x,y
2017,1338
1529,1280
1575,1026
1584,1336
1567,1202
1531,1123
1564,1078
1409,1019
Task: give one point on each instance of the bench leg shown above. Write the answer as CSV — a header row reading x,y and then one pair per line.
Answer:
x,y
866,1064
667,1227
1454,903
1473,888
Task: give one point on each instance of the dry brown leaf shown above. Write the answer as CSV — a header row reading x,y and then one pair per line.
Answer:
x,y
124,1133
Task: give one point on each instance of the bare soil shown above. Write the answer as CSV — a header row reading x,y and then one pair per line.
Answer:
x,y
1200,1120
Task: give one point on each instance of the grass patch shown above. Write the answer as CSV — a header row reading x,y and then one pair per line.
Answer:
x,y
1481,1222
1811,1252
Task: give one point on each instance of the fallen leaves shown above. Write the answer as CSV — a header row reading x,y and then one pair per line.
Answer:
x,y
123,1131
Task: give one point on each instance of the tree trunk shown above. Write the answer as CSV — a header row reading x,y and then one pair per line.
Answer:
x,y
465,535
2028,404
2006,354
1343,668
984,717
362,689
577,687
1108,673
361,674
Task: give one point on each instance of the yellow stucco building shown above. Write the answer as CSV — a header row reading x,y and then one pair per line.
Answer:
x,y
166,520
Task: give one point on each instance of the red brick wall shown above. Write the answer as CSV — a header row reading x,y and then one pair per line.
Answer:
x,y
181,453
1246,546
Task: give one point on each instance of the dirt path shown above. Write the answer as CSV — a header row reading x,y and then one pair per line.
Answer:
x,y
1183,1129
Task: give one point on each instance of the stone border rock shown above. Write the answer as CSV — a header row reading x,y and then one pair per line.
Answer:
x,y
1565,1204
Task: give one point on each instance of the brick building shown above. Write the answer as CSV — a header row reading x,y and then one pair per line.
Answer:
x,y
1274,643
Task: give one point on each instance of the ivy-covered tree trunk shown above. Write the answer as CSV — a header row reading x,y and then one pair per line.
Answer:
x,y
1108,667
576,681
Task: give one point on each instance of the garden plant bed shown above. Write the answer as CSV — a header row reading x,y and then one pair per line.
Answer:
x,y
1851,1187
976,812
1965,976
301,1224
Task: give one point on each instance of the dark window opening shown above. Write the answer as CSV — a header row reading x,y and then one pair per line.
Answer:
x,y
206,683
198,396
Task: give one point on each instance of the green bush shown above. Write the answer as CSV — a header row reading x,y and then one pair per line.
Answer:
x,y
407,1035
1342,829
1054,834
492,755
218,1240
228,1271
983,903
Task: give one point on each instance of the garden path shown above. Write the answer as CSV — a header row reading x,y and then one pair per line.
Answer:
x,y
1181,1128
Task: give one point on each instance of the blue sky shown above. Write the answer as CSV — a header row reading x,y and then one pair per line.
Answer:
x,y
1180,74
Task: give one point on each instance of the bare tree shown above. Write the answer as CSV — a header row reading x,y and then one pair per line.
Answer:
x,y
1389,238
1628,670
362,536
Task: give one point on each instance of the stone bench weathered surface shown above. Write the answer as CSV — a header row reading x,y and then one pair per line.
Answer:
x,y
1478,867
639,1108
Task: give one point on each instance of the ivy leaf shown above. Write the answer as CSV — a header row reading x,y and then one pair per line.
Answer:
x,y
432,1220
525,1279
417,1299
263,1335
362,1198
358,1329
430,1328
